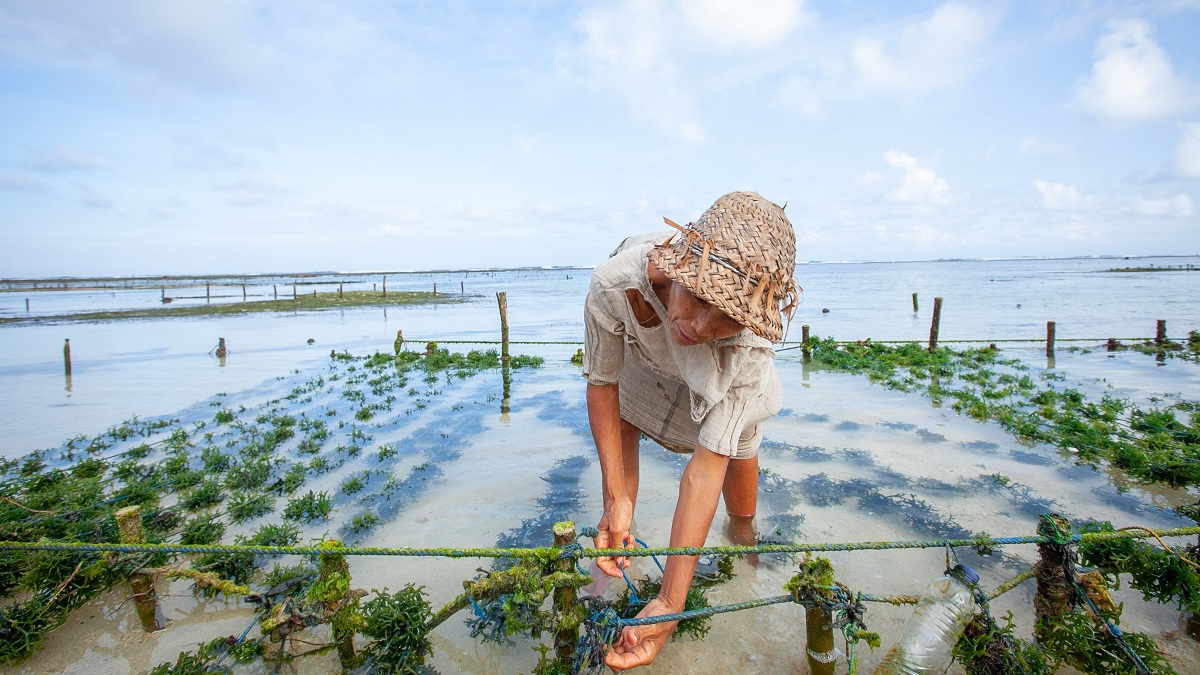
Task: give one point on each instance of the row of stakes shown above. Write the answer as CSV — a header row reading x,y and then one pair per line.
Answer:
x,y
1050,602
1160,339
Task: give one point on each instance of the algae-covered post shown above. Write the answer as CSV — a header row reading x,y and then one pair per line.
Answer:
x,y
1160,334
565,597
221,352
805,349
67,355
1049,338
934,325
822,654
1053,597
129,523
916,307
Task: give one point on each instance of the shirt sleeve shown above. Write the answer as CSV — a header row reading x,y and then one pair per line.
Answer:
x,y
604,337
755,396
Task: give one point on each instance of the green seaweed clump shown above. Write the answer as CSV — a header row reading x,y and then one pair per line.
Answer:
x,y
396,623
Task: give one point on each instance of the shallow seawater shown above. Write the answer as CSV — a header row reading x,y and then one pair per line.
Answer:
x,y
443,465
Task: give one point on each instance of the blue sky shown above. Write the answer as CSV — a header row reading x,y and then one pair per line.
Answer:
x,y
227,136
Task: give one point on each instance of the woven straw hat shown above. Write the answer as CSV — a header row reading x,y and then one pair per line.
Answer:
x,y
739,257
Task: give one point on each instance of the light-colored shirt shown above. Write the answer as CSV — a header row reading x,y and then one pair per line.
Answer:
x,y
733,383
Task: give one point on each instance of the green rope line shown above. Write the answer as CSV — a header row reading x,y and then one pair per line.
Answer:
x,y
705,612
790,342
553,552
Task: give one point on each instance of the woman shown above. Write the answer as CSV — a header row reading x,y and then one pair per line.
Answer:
x,y
678,347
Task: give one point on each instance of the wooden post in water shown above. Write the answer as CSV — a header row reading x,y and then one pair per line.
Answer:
x,y
1160,335
1053,598
221,351
435,288
399,343
916,306
129,522
67,355
243,292
294,295
333,564
462,288
805,349
935,324
275,290
1049,338
565,597
26,305
207,292
339,290
822,655
502,300
385,285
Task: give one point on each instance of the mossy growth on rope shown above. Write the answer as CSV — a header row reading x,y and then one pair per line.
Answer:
x,y
1161,576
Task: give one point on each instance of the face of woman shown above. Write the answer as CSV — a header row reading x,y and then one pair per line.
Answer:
x,y
694,321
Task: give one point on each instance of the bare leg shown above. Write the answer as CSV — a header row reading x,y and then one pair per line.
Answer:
x,y
741,500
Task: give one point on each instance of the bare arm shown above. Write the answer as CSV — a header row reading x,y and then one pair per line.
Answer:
x,y
604,417
699,492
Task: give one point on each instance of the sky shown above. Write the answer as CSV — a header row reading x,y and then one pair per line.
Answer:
x,y
141,137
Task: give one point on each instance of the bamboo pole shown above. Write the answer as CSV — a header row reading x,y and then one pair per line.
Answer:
x,y
565,597
822,655
129,523
935,324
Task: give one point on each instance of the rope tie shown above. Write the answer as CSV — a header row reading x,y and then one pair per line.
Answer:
x,y
571,551
600,630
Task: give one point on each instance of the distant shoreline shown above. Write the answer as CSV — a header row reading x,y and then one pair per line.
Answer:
x,y
159,280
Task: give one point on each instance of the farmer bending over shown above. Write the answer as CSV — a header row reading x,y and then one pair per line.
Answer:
x,y
679,329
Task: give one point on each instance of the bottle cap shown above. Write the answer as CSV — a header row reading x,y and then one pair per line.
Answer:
x,y
966,573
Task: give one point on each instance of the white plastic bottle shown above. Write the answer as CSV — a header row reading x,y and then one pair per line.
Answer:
x,y
929,635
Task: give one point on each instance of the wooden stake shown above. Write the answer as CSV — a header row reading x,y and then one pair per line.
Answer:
x,y
435,288
399,343
26,305
1160,336
822,656
502,300
67,355
275,290
294,295
129,523
933,327
207,292
565,597
462,288
335,564
339,290
1049,338
1053,598
221,351
916,306
804,348
243,292
385,285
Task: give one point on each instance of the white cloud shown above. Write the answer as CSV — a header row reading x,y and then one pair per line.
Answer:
x,y
1187,153
62,158
918,185
1179,206
17,182
1061,196
1132,79
252,191
1036,146
658,55
197,42
201,155
749,25
932,54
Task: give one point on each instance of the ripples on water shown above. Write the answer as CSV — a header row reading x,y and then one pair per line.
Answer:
x,y
846,461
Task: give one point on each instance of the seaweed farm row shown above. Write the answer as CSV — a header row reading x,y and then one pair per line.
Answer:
x,y
432,448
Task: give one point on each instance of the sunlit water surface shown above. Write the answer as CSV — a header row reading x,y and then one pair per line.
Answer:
x,y
846,461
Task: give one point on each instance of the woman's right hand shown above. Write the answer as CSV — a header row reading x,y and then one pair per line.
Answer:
x,y
614,533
